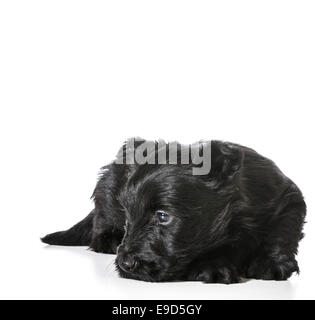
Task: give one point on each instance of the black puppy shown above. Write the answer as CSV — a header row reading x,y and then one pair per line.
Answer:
x,y
242,219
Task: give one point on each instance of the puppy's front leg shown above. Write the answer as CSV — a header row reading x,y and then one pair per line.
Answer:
x,y
106,242
213,271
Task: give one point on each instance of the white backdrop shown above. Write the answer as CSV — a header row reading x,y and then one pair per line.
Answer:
x,y
79,77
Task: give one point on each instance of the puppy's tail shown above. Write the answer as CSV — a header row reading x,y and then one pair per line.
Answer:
x,y
79,235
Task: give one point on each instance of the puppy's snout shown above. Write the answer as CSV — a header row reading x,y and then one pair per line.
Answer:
x,y
127,262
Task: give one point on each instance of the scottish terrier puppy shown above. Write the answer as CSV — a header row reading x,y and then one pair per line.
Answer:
x,y
242,218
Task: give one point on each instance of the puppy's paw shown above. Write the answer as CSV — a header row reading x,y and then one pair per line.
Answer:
x,y
268,269
208,274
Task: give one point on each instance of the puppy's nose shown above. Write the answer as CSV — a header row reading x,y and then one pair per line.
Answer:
x,y
127,262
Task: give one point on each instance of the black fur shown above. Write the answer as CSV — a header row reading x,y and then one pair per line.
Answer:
x,y
243,219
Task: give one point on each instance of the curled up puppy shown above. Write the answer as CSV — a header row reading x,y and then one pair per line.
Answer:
x,y
211,212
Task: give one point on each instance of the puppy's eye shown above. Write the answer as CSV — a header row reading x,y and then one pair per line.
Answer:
x,y
163,217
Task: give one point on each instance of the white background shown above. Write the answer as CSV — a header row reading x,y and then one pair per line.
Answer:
x,y
79,77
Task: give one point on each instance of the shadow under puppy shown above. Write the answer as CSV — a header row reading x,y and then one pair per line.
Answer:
x,y
242,219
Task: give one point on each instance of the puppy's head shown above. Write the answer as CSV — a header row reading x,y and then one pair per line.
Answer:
x,y
169,214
